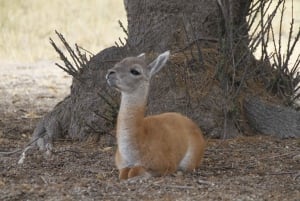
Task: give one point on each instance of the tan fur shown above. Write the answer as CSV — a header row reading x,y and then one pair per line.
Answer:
x,y
159,144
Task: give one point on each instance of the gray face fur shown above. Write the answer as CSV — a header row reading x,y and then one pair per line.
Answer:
x,y
133,73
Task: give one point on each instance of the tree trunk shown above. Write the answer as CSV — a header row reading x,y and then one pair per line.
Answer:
x,y
192,83
272,119
161,25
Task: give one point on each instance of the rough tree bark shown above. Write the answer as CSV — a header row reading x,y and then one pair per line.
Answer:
x,y
272,119
188,84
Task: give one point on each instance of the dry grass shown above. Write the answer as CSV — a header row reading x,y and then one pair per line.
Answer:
x,y
27,25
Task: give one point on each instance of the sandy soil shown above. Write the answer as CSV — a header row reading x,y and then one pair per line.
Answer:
x,y
246,168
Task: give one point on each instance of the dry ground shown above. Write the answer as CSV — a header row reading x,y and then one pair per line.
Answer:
x,y
247,168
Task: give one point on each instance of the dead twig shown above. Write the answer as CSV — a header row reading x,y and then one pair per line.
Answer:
x,y
25,147
80,59
174,186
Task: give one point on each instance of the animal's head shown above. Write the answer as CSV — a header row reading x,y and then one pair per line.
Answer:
x,y
134,73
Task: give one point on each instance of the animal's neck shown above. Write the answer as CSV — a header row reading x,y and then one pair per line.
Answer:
x,y
130,127
131,114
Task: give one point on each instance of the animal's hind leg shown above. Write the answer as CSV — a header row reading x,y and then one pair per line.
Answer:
x,y
198,154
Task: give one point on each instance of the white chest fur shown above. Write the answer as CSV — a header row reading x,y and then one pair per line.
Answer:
x,y
127,147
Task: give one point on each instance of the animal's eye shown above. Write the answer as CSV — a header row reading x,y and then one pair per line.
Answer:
x,y
134,72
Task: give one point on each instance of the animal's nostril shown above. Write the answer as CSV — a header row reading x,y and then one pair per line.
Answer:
x,y
110,73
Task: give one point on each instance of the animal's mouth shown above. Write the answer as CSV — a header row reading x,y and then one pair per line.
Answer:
x,y
113,83
110,82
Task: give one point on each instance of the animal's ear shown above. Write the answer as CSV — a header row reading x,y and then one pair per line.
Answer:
x,y
142,56
158,63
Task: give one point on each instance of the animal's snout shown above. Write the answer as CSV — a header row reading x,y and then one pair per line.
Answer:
x,y
110,73
111,78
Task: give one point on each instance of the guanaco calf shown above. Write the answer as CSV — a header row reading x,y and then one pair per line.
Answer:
x,y
155,145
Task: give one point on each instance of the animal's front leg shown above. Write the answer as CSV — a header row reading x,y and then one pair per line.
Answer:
x,y
123,170
123,173
136,171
